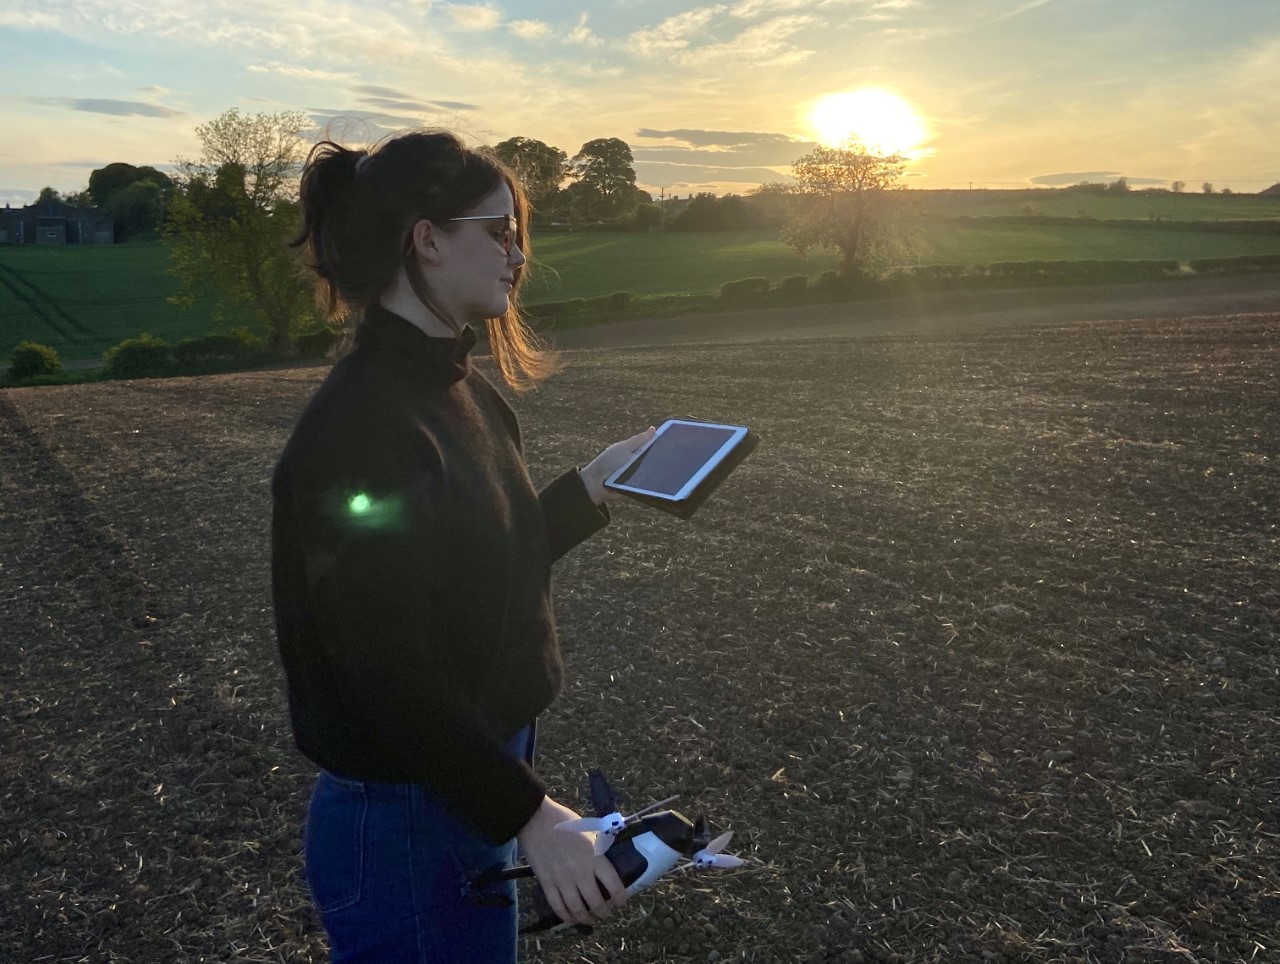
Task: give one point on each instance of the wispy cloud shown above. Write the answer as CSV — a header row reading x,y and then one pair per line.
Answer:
x,y
673,34
478,17
738,149
762,45
389,97
299,72
117,108
701,138
1020,9
530,29
584,35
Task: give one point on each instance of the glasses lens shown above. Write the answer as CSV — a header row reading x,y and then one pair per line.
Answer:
x,y
509,235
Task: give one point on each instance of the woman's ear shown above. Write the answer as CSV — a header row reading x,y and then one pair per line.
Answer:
x,y
423,239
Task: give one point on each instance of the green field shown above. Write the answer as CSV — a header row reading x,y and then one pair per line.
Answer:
x,y
1134,206
584,265
82,301
975,242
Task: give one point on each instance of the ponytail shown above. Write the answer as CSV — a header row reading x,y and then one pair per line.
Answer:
x,y
357,206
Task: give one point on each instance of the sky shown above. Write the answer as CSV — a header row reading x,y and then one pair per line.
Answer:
x,y
710,97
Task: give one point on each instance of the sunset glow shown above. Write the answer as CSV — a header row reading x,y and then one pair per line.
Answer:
x,y
883,122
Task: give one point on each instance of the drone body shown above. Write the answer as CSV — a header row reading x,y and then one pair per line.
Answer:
x,y
642,849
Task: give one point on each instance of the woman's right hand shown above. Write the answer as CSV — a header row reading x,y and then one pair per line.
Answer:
x,y
565,864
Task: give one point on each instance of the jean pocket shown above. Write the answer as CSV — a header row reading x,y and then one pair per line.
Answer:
x,y
335,848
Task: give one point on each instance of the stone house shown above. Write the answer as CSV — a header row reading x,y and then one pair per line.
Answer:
x,y
55,222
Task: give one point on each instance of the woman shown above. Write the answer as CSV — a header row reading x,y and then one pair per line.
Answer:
x,y
410,565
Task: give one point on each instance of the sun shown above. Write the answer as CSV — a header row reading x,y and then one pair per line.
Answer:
x,y
883,122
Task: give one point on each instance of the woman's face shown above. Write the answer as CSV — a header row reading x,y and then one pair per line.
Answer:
x,y
478,258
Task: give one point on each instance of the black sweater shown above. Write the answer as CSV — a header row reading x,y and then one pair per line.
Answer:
x,y
411,563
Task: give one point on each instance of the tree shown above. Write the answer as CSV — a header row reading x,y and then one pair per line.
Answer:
x,y
706,212
136,209
48,194
605,185
230,223
849,207
107,181
1206,188
540,167
1119,186
1177,187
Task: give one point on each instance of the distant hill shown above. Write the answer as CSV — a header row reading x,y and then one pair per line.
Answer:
x,y
1272,191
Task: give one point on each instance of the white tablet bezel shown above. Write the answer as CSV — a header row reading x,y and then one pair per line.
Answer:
x,y
738,433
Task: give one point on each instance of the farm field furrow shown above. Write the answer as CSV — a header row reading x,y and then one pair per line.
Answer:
x,y
977,654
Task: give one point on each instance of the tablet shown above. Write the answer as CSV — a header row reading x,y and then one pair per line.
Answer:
x,y
683,457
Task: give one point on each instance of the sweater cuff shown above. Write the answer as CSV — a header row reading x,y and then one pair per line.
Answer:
x,y
570,514
498,824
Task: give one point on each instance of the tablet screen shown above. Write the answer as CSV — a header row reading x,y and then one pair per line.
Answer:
x,y
680,456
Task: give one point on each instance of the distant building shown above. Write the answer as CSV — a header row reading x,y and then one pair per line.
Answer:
x,y
55,222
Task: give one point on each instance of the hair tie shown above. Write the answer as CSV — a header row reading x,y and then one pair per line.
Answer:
x,y
360,162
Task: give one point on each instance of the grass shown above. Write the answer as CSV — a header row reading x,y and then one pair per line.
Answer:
x,y
82,301
955,242
1132,206
585,265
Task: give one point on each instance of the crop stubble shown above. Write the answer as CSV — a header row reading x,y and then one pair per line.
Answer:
x,y
977,653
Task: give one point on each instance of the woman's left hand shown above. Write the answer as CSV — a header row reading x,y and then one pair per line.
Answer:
x,y
608,462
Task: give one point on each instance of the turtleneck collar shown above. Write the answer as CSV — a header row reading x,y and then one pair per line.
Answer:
x,y
443,360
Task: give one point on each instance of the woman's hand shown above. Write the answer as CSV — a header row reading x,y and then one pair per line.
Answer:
x,y
565,864
609,461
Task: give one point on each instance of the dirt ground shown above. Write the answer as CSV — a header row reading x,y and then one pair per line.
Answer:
x,y
977,654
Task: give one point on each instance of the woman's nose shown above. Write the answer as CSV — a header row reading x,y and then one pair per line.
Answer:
x,y
516,258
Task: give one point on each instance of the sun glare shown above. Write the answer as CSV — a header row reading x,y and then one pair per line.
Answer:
x,y
883,122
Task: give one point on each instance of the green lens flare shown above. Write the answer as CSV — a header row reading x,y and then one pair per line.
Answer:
x,y
360,504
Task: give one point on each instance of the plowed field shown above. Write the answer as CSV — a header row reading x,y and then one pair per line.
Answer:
x,y
977,654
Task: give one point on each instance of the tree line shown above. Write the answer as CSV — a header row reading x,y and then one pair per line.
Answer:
x,y
230,214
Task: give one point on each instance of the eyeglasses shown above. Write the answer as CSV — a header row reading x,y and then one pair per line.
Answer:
x,y
508,236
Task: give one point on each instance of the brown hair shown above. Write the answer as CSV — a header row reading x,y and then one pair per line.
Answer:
x,y
357,209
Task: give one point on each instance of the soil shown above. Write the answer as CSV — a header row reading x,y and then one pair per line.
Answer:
x,y
977,654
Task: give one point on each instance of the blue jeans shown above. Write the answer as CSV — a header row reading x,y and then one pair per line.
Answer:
x,y
386,864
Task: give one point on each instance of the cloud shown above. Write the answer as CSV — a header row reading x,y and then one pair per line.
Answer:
x,y
530,29
298,72
1020,9
674,33
116,108
660,173
154,90
762,45
374,91
389,98
1067,178
583,35
341,33
359,126
722,148
476,17
700,138
749,9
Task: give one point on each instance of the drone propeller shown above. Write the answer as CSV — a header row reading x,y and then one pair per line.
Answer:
x,y
710,855
608,822
605,828
602,795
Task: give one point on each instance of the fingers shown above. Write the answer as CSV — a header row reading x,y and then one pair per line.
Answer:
x,y
638,440
610,882
590,900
